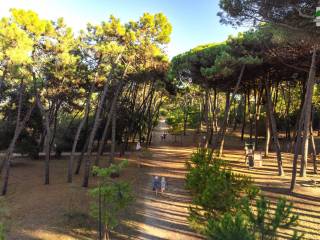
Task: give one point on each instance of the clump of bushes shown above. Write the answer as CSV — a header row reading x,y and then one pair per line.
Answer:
x,y
228,206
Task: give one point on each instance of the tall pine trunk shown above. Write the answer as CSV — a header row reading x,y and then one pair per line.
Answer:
x,y
221,134
105,130
20,125
244,117
314,151
267,143
274,129
46,122
304,120
96,124
76,138
206,115
113,134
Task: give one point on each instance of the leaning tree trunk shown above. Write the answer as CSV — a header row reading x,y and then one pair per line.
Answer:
x,y
304,116
244,117
96,124
80,159
105,130
288,132
314,151
296,126
221,134
113,134
20,125
206,114
274,129
46,122
306,125
214,112
76,138
257,115
267,143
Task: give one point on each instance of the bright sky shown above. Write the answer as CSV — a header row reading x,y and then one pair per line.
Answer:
x,y
194,22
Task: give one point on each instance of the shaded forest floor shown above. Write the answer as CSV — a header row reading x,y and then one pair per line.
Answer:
x,y
60,210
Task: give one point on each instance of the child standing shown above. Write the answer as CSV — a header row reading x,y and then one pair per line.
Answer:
x,y
156,185
163,184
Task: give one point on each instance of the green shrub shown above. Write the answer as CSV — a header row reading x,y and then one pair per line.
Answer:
x,y
210,181
111,197
226,205
250,223
229,227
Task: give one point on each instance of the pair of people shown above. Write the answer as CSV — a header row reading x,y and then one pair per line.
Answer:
x,y
159,185
163,136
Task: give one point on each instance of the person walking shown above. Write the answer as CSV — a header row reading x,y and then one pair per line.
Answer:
x,y
156,185
163,184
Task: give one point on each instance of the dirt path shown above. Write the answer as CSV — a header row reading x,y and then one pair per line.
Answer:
x,y
165,216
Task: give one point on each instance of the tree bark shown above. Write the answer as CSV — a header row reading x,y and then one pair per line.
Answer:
x,y
222,133
244,117
206,114
47,139
113,134
20,125
267,143
220,137
105,130
314,151
96,124
76,138
303,121
307,120
274,128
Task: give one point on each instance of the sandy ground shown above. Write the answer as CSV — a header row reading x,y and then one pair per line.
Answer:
x,y
60,210
51,212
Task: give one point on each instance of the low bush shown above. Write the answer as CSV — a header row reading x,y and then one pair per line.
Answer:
x,y
111,198
228,206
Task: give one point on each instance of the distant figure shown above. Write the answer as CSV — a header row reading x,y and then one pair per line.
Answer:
x,y
163,184
138,147
156,185
143,139
162,137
